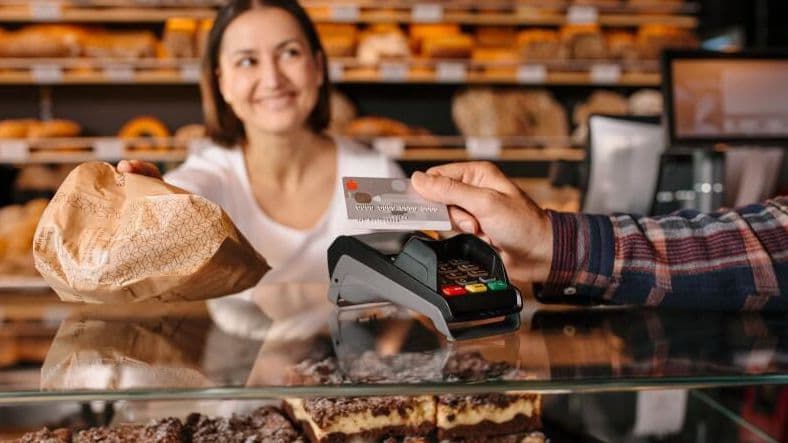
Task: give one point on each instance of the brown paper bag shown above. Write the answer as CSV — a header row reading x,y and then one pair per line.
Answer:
x,y
108,237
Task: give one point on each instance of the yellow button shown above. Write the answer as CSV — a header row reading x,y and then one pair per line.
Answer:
x,y
476,287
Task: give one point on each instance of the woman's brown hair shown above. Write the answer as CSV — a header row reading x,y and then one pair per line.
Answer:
x,y
221,123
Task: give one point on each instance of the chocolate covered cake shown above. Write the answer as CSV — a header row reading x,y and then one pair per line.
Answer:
x,y
264,425
46,436
167,430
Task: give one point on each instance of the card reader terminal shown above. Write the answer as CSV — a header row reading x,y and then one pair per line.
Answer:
x,y
459,283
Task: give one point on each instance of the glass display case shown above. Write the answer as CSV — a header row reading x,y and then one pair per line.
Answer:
x,y
590,374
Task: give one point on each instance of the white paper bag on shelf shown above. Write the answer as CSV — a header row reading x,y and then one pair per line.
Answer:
x,y
109,237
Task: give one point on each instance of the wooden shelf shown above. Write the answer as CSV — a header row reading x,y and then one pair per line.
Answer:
x,y
433,148
507,154
101,15
534,17
605,13
153,71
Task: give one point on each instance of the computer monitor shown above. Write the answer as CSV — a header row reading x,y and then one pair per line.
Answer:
x,y
730,98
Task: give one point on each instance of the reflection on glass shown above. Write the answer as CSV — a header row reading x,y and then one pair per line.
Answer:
x,y
383,344
169,352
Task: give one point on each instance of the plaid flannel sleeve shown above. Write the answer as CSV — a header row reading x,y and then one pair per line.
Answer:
x,y
731,260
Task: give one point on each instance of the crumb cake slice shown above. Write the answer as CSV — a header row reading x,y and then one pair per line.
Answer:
x,y
328,420
479,416
484,415
167,430
264,425
344,419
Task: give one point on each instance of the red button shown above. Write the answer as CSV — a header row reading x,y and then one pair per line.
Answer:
x,y
452,290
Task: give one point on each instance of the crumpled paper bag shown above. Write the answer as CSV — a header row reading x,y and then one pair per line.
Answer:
x,y
109,237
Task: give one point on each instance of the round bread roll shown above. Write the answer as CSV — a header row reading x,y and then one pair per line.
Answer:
x,y
645,102
419,32
339,40
187,133
622,45
54,128
179,37
8,349
584,41
15,128
652,39
145,127
43,41
375,46
368,127
485,112
126,44
495,36
541,45
447,46
202,35
600,102
36,178
342,112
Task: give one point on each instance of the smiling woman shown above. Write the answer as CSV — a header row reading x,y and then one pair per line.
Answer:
x,y
272,166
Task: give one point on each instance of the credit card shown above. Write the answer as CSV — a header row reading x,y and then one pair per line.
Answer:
x,y
391,204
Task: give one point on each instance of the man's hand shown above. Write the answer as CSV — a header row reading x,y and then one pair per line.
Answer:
x,y
484,202
139,167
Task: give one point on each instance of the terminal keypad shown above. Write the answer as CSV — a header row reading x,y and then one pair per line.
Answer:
x,y
458,277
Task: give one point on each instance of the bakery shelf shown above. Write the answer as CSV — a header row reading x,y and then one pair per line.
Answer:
x,y
342,70
57,12
416,148
615,6
82,149
605,13
22,282
527,16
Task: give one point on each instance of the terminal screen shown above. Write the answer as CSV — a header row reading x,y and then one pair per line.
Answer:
x,y
720,98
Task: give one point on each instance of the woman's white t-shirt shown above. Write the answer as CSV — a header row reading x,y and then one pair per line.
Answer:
x,y
220,175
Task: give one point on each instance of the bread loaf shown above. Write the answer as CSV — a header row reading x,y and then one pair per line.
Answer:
x,y
486,112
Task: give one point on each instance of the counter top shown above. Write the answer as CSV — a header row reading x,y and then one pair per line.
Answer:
x,y
176,351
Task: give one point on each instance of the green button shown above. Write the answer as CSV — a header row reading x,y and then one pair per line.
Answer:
x,y
497,285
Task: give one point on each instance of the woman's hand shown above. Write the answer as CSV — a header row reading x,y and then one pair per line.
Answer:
x,y
139,167
484,202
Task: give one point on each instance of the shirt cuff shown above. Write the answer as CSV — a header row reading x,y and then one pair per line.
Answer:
x,y
583,255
